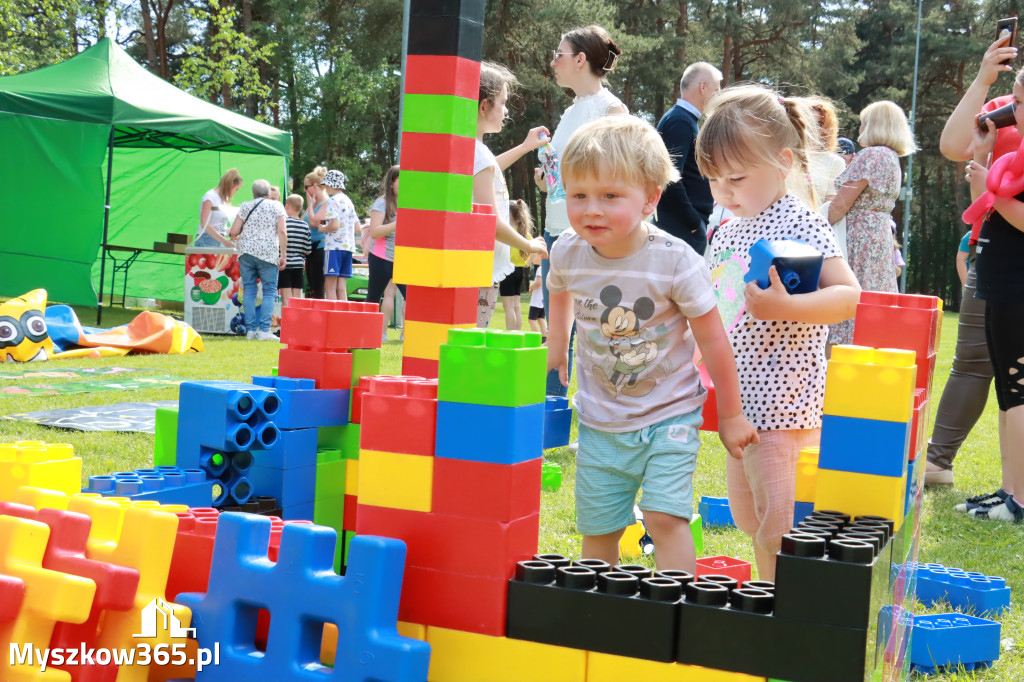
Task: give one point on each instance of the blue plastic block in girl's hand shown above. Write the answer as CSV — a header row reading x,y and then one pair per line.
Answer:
x,y
798,265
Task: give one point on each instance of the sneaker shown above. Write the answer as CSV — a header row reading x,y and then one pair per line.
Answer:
x,y
1007,510
998,497
266,336
250,336
574,446
936,475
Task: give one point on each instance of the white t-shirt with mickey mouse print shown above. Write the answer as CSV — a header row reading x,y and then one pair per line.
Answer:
x,y
634,367
781,363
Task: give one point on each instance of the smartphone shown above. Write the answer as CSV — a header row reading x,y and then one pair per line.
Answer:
x,y
1008,24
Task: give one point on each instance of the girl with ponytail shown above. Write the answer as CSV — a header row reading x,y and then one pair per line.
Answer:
x,y
753,149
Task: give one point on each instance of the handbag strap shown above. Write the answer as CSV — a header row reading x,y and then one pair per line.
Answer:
x,y
249,215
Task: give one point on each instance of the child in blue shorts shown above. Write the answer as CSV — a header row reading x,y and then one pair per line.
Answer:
x,y
641,299
341,241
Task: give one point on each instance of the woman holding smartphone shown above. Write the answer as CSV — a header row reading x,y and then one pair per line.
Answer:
x,y
315,215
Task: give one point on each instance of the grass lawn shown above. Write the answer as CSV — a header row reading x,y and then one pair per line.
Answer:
x,y
948,538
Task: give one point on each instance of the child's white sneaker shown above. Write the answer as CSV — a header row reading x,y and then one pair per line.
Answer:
x,y
250,336
266,336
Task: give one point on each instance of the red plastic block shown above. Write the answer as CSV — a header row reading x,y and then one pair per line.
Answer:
x,y
441,306
193,552
420,366
457,602
315,324
436,153
444,230
12,592
918,428
351,514
925,373
429,538
354,328
441,75
399,415
302,327
356,400
724,565
710,412
901,321
486,491
332,370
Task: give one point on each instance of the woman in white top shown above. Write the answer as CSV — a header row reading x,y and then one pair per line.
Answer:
x,y
213,219
583,58
825,165
496,83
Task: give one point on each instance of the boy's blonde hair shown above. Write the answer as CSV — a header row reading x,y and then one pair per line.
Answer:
x,y
629,148
294,202
828,123
883,124
749,126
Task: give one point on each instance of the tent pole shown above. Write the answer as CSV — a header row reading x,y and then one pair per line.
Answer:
x,y
106,224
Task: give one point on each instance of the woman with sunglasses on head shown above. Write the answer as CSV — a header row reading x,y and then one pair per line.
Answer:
x,y
496,84
316,210
585,56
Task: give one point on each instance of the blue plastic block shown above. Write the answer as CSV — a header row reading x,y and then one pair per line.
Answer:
x,y
226,416
801,511
298,512
557,420
165,484
798,265
486,433
951,639
295,448
715,511
301,591
864,446
303,406
290,486
985,595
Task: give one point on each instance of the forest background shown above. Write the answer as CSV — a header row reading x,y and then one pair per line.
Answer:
x,y
329,71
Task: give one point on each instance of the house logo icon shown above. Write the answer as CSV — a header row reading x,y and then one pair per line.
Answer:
x,y
157,616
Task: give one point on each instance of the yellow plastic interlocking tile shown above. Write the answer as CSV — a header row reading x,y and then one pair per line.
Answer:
x,y
861,494
388,479
329,640
424,339
42,465
444,269
870,383
457,656
40,498
351,476
806,474
50,596
609,668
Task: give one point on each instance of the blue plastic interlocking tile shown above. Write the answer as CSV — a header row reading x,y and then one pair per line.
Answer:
x,y
798,265
294,448
557,422
986,595
289,486
864,446
952,639
301,591
801,510
303,406
488,433
714,511
227,416
298,512
165,484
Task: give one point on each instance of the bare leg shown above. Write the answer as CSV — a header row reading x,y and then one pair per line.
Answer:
x,y
330,288
603,547
513,318
673,541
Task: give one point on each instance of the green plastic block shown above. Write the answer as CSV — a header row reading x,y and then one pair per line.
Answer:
x,y
489,367
342,438
444,114
436,191
329,511
273,371
365,363
330,477
550,477
165,441
697,529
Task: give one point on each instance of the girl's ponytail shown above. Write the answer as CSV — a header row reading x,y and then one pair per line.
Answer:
x,y
799,116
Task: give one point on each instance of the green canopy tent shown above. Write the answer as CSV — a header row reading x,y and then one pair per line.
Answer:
x,y
99,152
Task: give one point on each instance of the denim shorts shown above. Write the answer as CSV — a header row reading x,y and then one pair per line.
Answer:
x,y
611,468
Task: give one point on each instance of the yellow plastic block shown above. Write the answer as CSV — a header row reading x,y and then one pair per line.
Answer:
x,y
424,339
608,668
457,656
351,476
50,596
41,465
861,494
629,543
39,498
329,640
806,474
445,269
388,479
871,383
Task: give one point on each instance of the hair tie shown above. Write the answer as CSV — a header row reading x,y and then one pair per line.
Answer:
x,y
609,63
782,100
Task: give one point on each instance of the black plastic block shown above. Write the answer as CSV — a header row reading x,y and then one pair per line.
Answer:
x,y
447,36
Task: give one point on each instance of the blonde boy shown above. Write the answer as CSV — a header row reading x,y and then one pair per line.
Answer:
x,y
640,298
299,245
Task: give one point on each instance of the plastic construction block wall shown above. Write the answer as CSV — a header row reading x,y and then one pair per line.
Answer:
x,y
165,484
316,324
38,464
904,321
870,383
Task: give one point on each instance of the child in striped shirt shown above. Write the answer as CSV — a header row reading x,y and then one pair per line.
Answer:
x,y
289,281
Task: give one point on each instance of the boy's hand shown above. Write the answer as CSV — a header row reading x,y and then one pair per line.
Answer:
x,y
559,361
538,248
537,137
767,304
736,433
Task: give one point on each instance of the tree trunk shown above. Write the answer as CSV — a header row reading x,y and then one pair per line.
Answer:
x,y
682,32
147,34
251,105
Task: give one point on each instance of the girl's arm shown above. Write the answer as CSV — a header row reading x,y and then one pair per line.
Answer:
x,y
483,193
204,221
537,137
560,306
734,430
844,198
236,227
961,266
378,228
834,301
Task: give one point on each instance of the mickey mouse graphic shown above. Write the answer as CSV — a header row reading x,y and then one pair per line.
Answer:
x,y
632,352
